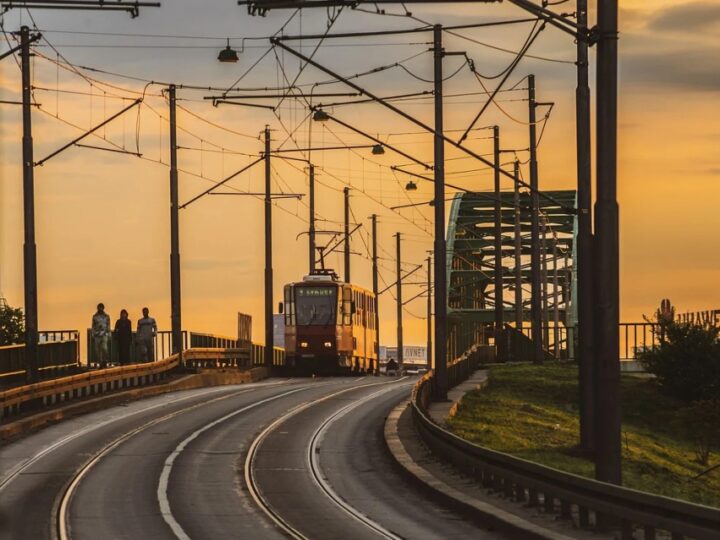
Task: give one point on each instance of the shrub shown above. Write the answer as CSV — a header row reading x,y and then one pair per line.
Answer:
x,y
686,362
12,325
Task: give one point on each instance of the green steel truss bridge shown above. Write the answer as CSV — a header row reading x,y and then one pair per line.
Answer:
x,y
471,268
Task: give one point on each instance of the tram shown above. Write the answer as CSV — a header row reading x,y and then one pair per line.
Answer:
x,y
329,326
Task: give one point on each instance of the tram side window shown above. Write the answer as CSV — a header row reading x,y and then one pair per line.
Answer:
x,y
289,306
347,306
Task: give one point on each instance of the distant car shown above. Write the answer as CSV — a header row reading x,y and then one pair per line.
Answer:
x,y
422,371
412,371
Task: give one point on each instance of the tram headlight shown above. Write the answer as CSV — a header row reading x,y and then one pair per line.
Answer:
x,y
304,344
328,344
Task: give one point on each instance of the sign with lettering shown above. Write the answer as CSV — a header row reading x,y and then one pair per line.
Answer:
x,y
315,291
708,318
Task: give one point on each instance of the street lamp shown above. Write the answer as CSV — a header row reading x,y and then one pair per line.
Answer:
x,y
411,186
228,54
321,116
378,150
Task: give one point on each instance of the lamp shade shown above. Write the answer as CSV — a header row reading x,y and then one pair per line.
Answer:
x,y
320,116
411,186
228,54
378,150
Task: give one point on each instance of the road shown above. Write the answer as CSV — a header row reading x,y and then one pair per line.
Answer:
x,y
297,458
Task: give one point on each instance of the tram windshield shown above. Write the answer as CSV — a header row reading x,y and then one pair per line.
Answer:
x,y
315,305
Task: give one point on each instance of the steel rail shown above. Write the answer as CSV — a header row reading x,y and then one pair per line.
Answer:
x,y
63,507
314,465
58,444
250,481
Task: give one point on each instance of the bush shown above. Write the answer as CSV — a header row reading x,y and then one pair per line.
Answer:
x,y
686,362
12,325
700,423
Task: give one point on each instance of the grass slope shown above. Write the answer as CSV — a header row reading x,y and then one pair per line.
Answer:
x,y
532,412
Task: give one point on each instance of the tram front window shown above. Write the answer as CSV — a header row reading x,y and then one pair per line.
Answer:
x,y
315,306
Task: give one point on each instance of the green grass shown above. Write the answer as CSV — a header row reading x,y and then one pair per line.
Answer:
x,y
532,412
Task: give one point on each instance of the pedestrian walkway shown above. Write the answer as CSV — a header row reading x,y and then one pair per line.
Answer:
x,y
440,411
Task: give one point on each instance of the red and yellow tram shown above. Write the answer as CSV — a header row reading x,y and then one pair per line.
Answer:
x,y
329,326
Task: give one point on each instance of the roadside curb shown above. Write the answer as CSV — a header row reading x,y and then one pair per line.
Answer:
x,y
489,515
25,425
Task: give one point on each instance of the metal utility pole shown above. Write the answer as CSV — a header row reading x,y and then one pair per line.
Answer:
x,y
376,288
544,277
441,379
518,251
429,313
398,292
556,298
175,297
586,315
269,337
346,193
499,342
311,232
29,250
535,305
606,256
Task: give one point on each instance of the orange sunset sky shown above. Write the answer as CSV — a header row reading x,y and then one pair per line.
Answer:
x,y
103,218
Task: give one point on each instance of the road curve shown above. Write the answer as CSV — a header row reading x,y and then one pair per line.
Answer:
x,y
173,466
327,473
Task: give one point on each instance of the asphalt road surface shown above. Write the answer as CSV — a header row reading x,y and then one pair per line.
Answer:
x,y
300,458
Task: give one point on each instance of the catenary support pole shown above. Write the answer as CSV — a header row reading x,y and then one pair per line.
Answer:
x,y
586,325
606,255
535,300
440,275
29,249
544,278
346,241
498,275
518,252
556,299
398,293
311,231
429,315
376,286
175,295
269,337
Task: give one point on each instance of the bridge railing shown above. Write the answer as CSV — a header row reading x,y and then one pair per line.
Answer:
x,y
258,355
560,492
561,341
59,350
89,383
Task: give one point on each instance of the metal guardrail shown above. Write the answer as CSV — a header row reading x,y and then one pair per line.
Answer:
x,y
86,384
561,492
89,383
217,358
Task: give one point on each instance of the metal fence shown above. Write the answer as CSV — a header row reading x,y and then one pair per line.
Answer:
x,y
561,341
258,355
58,350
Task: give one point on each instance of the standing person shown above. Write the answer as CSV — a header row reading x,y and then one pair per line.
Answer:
x,y
146,330
123,334
100,332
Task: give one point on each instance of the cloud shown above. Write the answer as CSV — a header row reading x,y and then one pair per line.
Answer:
x,y
691,69
692,17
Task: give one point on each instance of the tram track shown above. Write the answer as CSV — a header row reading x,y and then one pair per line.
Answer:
x,y
261,501
313,454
